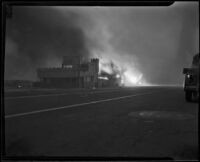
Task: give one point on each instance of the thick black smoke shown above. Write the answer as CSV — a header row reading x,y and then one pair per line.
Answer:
x,y
39,37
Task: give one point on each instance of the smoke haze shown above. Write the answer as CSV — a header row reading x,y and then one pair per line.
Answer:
x,y
39,37
152,42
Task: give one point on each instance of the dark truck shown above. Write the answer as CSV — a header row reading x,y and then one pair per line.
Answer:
x,y
191,84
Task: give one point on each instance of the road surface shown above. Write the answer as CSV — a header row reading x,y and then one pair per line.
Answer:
x,y
128,122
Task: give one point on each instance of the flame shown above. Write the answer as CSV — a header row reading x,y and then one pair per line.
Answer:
x,y
131,78
128,75
117,76
104,66
104,78
122,66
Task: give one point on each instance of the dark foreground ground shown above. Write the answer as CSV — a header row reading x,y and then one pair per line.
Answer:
x,y
130,122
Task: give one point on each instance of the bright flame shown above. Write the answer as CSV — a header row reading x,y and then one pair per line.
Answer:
x,y
117,76
128,77
103,66
104,78
131,78
122,68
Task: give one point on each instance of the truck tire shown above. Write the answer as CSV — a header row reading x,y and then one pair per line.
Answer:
x,y
188,96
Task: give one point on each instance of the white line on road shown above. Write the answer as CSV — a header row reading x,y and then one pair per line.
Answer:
x,y
75,105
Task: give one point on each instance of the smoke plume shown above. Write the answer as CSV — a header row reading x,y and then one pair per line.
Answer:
x,y
40,37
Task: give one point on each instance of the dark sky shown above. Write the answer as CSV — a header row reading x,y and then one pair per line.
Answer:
x,y
155,42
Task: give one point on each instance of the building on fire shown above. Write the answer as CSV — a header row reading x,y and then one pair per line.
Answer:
x,y
109,80
75,73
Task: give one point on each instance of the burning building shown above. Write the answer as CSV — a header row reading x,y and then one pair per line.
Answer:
x,y
74,73
109,80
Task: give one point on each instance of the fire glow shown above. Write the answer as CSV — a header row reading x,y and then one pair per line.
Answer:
x,y
122,66
104,78
127,75
132,79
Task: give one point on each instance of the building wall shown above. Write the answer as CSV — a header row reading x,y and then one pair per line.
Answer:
x,y
57,73
77,76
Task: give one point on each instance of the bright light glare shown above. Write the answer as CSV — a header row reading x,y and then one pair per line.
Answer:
x,y
188,75
117,76
131,79
104,78
104,67
128,77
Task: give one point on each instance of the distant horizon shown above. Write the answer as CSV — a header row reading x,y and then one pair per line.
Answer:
x,y
122,86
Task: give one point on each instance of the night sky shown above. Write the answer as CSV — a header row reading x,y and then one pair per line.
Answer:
x,y
156,42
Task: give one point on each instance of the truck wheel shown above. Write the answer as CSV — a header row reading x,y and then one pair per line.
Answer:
x,y
188,96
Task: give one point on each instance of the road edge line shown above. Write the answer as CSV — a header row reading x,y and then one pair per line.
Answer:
x,y
74,105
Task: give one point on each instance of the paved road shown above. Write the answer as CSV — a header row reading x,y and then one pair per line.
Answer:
x,y
132,122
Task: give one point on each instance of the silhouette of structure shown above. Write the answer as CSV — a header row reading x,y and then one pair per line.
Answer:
x,y
74,73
